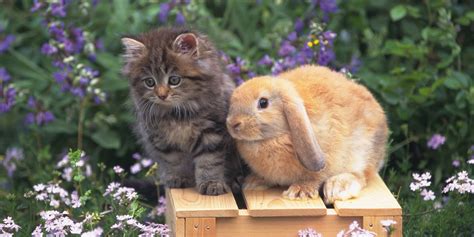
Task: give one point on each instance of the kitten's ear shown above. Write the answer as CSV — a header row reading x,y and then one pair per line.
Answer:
x,y
133,49
186,44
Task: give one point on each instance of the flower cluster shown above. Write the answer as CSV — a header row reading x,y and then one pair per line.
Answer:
x,y
58,224
74,166
12,156
140,164
146,230
160,209
123,195
436,141
67,43
356,230
54,195
39,115
421,182
327,7
460,183
167,7
8,227
7,91
308,232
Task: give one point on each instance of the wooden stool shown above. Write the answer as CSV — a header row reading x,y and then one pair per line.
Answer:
x,y
269,214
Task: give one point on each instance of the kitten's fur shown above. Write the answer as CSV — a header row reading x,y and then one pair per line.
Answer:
x,y
185,132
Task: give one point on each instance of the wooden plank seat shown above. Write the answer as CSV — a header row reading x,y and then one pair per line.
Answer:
x,y
267,213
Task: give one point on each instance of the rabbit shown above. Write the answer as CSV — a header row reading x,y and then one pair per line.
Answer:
x,y
307,127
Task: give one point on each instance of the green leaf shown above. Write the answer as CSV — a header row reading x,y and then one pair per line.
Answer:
x,y
398,12
106,138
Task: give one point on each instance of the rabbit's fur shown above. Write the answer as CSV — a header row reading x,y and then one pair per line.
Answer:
x,y
319,127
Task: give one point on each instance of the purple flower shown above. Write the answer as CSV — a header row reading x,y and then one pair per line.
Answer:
x,y
44,117
325,56
238,80
58,9
5,43
136,156
456,163
77,91
286,48
277,68
48,49
99,44
36,5
292,36
164,11
29,118
236,68
328,37
354,65
4,76
60,76
56,29
265,61
11,156
180,20
32,102
251,74
299,25
7,99
436,141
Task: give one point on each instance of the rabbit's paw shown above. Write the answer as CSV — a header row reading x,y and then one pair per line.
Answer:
x,y
213,188
341,187
301,191
255,182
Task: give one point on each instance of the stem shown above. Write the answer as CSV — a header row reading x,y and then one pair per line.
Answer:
x,y
80,125
402,144
421,213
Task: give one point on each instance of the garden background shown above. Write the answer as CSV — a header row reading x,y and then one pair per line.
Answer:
x,y
61,90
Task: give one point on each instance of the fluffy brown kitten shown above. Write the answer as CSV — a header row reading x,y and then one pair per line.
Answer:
x,y
180,93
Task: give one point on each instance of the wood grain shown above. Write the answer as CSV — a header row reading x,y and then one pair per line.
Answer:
x,y
200,227
189,203
175,224
374,200
248,226
270,202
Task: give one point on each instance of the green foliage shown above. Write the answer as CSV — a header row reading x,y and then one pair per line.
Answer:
x,y
416,58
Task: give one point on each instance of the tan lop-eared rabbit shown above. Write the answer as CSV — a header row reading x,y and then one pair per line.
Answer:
x,y
306,127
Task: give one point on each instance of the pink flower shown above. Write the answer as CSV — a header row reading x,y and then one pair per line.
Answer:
x,y
436,141
427,195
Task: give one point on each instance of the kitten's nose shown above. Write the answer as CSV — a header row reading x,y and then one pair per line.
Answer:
x,y
162,97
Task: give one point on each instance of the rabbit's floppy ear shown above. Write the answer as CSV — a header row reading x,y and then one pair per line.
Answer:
x,y
303,138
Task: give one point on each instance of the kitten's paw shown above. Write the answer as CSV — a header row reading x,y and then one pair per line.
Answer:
x,y
255,182
341,187
179,182
301,191
213,188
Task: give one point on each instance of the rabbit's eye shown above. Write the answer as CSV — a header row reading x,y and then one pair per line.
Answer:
x,y
262,103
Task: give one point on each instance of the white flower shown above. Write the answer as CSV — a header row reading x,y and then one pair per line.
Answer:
x,y
460,182
427,195
38,232
67,174
93,233
471,161
135,168
8,227
146,162
387,223
39,187
118,169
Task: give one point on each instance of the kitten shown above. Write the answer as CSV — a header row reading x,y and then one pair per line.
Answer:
x,y
180,93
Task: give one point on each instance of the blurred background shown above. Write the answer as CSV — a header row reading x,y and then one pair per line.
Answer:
x,y
61,87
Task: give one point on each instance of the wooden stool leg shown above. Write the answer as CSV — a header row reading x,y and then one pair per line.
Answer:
x,y
200,227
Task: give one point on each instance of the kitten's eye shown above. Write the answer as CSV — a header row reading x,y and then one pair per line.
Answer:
x,y
174,80
149,82
262,103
